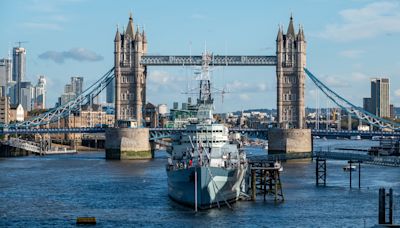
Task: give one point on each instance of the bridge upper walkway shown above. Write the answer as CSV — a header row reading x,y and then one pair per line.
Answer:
x,y
216,60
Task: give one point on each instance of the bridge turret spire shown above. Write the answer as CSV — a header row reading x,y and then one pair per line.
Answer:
x,y
280,34
144,41
130,29
290,31
144,36
300,34
117,35
138,36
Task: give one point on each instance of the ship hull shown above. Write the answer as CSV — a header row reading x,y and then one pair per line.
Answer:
x,y
223,185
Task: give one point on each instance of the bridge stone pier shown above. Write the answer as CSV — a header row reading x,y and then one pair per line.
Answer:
x,y
128,143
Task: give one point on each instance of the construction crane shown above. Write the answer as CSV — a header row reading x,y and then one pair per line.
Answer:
x,y
20,42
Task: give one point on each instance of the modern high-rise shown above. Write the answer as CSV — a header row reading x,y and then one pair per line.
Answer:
x,y
77,85
71,91
5,75
392,112
40,93
27,96
18,71
110,92
380,99
367,104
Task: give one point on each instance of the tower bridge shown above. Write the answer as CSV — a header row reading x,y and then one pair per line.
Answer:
x,y
131,62
130,74
130,70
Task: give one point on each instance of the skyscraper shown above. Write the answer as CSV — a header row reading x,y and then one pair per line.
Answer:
x,y
5,75
110,92
40,93
71,91
77,85
367,104
380,100
19,71
27,96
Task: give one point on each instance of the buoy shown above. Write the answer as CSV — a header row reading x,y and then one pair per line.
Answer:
x,y
86,220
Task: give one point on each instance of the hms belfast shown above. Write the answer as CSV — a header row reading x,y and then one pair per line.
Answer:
x,y
205,168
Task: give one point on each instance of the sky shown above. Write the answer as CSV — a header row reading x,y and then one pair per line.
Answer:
x,y
348,42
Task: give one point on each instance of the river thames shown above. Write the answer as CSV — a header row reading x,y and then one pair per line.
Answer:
x,y
55,190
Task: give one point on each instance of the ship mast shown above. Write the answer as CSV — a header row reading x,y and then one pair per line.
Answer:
x,y
205,83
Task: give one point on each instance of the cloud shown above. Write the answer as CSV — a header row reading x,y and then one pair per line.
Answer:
x,y
358,76
246,87
198,16
46,26
352,54
366,22
162,78
343,81
397,92
244,97
161,81
336,82
78,54
49,6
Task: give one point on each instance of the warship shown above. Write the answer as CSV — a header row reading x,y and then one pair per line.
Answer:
x,y
206,167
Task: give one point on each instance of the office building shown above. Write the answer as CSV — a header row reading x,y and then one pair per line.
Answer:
x,y
40,93
11,90
380,100
367,104
4,110
110,92
392,112
66,97
18,71
71,90
27,96
5,75
77,85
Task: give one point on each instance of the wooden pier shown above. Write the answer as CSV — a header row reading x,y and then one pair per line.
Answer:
x,y
265,180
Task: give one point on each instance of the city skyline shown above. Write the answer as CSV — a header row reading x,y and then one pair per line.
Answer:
x,y
343,45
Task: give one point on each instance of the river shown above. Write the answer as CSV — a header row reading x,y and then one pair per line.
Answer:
x,y
53,191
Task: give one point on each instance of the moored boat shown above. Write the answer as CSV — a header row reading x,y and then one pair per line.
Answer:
x,y
206,168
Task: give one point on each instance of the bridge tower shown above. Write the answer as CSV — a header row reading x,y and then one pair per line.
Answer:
x,y
130,75
130,94
291,59
291,136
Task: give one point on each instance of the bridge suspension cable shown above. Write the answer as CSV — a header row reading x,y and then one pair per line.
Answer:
x,y
73,105
351,109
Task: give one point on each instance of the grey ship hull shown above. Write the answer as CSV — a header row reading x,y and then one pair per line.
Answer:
x,y
224,186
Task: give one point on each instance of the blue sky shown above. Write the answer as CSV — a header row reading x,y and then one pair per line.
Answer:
x,y
348,43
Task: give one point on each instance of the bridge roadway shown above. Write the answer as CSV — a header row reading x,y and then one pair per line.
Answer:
x,y
166,132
